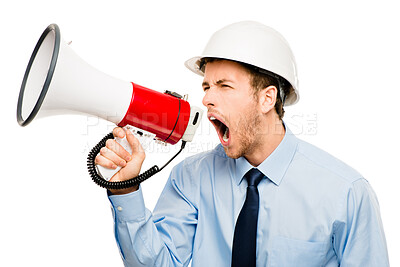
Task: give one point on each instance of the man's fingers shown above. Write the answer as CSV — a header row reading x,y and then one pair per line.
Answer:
x,y
119,132
112,156
102,161
114,146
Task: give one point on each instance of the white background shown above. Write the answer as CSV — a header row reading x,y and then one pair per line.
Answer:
x,y
348,58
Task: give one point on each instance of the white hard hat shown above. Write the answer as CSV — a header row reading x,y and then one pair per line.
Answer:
x,y
255,44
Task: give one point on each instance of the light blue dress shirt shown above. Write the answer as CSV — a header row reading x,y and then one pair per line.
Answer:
x,y
314,211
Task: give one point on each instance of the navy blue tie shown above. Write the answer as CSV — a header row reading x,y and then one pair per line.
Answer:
x,y
245,237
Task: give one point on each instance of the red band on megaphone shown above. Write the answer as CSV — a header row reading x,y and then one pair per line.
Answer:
x,y
162,114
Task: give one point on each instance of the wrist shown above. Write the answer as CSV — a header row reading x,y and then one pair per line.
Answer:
x,y
124,191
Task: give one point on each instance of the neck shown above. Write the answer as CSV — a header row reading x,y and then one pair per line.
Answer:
x,y
271,135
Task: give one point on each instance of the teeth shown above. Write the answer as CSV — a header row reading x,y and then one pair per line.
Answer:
x,y
212,118
225,137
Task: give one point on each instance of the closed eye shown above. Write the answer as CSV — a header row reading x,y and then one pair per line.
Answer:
x,y
225,86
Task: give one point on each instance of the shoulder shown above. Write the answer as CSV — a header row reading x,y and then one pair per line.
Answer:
x,y
318,160
204,159
197,166
188,175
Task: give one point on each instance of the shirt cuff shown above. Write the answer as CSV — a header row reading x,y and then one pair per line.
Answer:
x,y
128,207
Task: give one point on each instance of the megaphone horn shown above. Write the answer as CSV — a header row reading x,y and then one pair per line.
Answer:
x,y
58,81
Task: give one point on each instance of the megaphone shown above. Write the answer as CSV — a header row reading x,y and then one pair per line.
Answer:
x,y
58,81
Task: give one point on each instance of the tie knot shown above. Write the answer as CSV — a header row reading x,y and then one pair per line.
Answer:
x,y
253,177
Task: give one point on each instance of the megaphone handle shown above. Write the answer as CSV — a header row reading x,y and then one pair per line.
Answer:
x,y
144,137
100,181
107,173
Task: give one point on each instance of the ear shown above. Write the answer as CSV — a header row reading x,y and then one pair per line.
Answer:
x,y
267,98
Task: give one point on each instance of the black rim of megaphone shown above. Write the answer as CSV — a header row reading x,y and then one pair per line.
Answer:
x,y
53,62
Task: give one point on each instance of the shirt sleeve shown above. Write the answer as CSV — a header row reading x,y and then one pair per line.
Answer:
x,y
359,239
163,239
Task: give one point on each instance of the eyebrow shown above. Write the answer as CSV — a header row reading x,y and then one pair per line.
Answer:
x,y
217,83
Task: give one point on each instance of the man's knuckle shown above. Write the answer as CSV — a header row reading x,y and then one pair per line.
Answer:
x,y
97,159
103,151
110,143
117,131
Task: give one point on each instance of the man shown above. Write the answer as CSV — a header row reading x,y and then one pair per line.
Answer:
x,y
262,197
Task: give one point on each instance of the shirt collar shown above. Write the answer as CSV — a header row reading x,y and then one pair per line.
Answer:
x,y
276,164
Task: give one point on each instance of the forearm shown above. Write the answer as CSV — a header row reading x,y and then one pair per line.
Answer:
x,y
138,239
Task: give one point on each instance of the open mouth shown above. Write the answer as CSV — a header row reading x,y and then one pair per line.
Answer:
x,y
222,130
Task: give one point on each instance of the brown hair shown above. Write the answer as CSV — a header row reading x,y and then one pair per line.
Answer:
x,y
259,79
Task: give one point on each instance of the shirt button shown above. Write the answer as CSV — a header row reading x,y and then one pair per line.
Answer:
x,y
119,208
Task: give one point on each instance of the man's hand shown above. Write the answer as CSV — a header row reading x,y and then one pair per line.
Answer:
x,y
113,155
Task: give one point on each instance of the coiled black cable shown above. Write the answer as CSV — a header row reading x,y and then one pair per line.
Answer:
x,y
100,181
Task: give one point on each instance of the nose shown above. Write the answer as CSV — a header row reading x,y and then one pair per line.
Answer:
x,y
209,98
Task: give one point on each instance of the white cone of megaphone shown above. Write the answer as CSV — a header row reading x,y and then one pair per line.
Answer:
x,y
58,81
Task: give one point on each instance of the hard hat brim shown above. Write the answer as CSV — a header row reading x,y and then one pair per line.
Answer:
x,y
193,65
